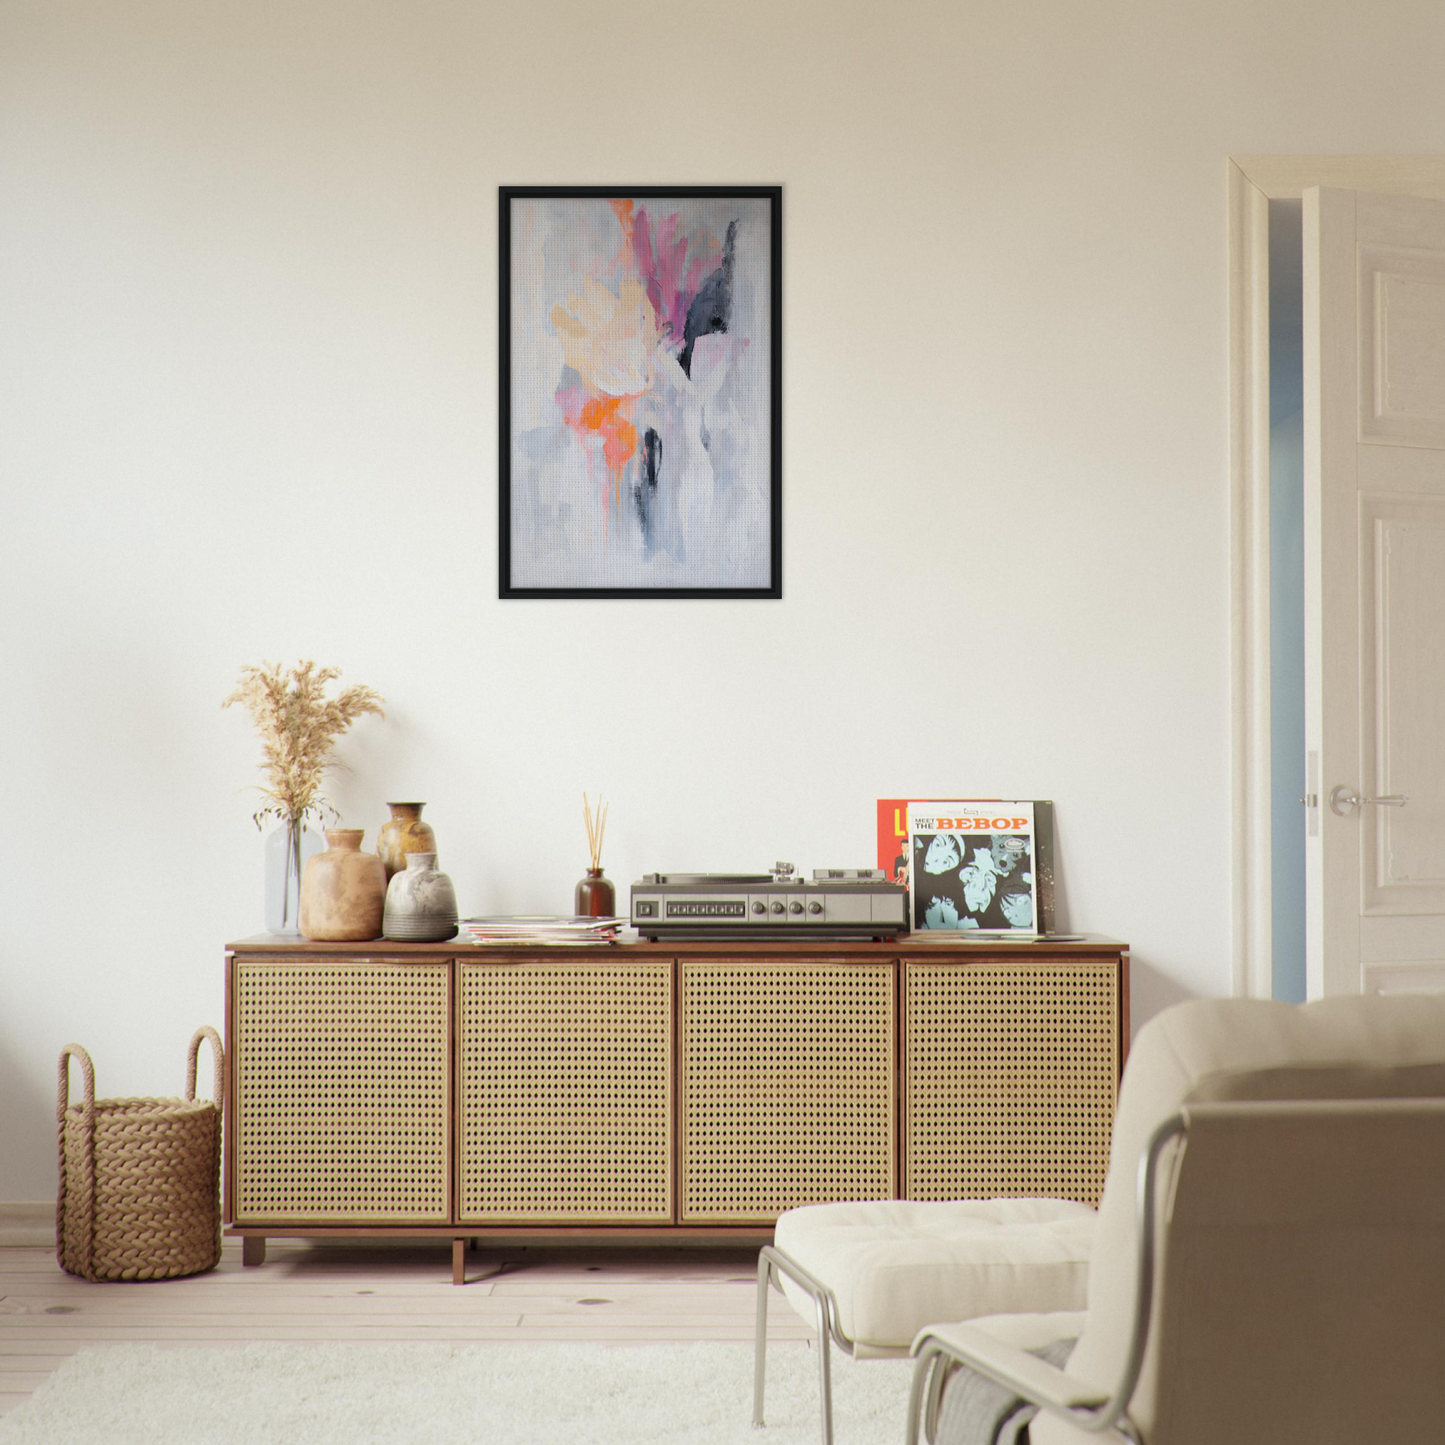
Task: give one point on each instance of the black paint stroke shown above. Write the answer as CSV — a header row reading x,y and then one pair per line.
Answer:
x,y
645,493
712,307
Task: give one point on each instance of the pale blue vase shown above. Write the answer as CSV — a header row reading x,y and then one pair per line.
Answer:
x,y
287,849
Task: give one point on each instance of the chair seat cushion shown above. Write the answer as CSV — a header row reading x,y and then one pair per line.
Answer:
x,y
897,1265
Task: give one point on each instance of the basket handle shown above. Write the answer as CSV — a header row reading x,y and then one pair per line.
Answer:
x,y
87,1070
84,1186
218,1055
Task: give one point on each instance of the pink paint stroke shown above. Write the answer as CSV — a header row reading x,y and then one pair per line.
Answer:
x,y
672,281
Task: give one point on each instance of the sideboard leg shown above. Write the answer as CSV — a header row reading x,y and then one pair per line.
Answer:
x,y
459,1261
253,1249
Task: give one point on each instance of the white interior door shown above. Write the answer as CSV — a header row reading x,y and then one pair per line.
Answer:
x,y
1374,425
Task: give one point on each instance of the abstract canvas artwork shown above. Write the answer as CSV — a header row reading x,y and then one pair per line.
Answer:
x,y
640,392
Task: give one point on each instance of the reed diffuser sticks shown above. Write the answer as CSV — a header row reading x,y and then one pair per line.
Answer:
x,y
596,826
595,896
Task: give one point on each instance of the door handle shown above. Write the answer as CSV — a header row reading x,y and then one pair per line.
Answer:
x,y
1344,800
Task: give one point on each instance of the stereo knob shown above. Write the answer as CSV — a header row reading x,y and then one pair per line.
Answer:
x,y
777,908
795,907
815,907
759,906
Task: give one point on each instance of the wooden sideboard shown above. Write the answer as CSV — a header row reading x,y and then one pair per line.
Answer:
x,y
657,1091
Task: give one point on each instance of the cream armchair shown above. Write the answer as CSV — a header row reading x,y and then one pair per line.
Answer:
x,y
1269,1258
868,1276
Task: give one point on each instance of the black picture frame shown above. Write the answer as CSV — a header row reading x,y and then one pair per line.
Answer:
x,y
512,489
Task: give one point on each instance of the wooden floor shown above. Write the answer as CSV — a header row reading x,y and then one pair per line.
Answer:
x,y
382,1292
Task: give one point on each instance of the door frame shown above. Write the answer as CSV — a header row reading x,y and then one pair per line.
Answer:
x,y
1254,181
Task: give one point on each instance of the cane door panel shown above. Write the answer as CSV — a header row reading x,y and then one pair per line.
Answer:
x,y
787,1077
565,1076
342,1079
1010,1078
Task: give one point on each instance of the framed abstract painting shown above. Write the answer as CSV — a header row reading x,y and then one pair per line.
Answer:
x,y
641,391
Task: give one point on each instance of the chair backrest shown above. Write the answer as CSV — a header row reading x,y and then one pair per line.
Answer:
x,y
1222,1050
1299,1297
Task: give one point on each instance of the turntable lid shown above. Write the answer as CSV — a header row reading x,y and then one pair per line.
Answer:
x,y
703,879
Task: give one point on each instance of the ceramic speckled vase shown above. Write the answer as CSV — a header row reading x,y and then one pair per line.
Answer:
x,y
342,890
404,833
421,904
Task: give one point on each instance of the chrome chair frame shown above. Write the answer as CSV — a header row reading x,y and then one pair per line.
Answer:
x,y
937,1358
772,1263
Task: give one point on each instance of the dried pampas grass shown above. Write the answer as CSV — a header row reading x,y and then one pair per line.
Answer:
x,y
298,724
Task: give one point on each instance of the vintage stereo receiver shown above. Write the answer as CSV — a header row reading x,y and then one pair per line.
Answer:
x,y
835,902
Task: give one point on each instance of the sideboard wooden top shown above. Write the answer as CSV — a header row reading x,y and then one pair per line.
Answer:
x,y
915,946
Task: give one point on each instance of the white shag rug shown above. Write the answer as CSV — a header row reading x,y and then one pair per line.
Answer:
x,y
480,1394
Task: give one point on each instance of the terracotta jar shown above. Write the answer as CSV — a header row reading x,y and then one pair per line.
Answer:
x,y
421,904
404,833
343,890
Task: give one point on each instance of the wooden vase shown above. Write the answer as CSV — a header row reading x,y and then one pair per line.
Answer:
x,y
403,833
343,890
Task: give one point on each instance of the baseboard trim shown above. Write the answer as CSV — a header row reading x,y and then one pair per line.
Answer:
x,y
28,1223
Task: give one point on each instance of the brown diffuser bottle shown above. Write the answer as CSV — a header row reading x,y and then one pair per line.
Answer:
x,y
595,896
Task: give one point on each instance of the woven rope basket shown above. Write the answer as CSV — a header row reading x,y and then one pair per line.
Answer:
x,y
139,1178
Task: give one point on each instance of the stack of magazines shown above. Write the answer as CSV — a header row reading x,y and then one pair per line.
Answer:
x,y
523,928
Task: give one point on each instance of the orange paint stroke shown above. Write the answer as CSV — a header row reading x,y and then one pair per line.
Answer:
x,y
605,415
625,261
623,212
610,417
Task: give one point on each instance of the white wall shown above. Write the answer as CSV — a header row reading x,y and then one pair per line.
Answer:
x,y
248,320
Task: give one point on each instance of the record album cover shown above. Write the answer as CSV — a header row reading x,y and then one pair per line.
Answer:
x,y
991,872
